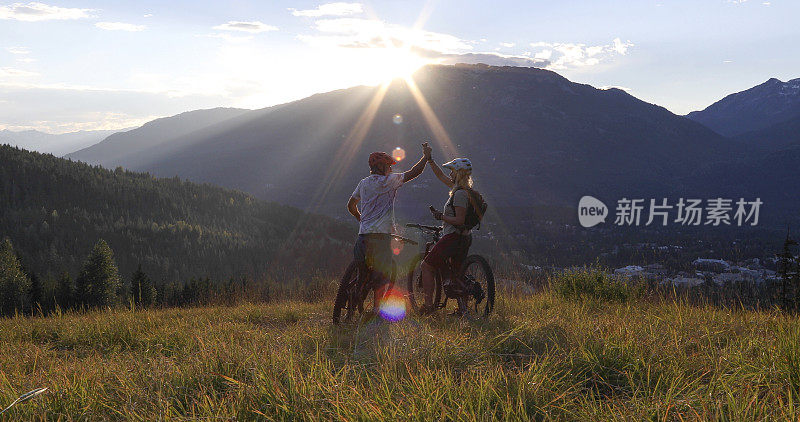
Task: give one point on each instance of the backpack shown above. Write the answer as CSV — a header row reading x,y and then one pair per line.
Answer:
x,y
475,211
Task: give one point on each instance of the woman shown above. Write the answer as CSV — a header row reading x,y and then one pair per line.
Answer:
x,y
456,239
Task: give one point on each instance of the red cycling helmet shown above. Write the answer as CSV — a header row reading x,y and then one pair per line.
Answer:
x,y
377,159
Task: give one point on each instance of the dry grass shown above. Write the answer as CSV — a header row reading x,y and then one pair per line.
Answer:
x,y
539,357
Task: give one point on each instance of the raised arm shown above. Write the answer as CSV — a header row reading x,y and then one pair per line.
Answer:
x,y
440,174
415,171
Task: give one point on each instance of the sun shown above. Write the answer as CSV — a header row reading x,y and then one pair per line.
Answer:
x,y
393,63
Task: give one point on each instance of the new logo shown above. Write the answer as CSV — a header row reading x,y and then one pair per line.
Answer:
x,y
591,211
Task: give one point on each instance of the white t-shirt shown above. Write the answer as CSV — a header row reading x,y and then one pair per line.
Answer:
x,y
376,195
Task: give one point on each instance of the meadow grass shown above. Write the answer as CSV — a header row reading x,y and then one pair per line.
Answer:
x,y
540,357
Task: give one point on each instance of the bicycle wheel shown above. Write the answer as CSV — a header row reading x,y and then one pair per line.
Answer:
x,y
346,294
416,296
478,277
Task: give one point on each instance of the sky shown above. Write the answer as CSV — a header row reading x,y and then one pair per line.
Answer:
x,y
85,65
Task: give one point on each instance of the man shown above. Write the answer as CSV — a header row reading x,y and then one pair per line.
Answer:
x,y
376,194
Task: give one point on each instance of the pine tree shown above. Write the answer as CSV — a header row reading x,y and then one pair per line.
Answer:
x,y
98,283
143,292
14,284
65,292
35,292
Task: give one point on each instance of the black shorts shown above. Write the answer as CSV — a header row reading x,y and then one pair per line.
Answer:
x,y
453,246
374,250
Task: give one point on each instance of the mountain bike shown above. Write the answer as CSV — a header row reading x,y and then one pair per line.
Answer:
x,y
472,283
358,296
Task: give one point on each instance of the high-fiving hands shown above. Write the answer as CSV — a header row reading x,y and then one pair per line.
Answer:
x,y
418,168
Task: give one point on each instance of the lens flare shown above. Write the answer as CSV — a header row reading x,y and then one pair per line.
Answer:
x,y
397,119
398,154
393,306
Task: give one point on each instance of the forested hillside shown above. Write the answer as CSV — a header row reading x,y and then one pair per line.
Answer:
x,y
55,210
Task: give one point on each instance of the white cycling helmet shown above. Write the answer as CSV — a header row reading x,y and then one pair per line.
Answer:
x,y
459,164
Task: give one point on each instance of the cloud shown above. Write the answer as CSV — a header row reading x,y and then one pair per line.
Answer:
x,y
147,15
59,108
119,26
449,49
34,12
492,59
94,120
622,47
507,44
9,73
331,9
372,33
17,50
575,55
593,51
251,27
435,47
231,38
21,53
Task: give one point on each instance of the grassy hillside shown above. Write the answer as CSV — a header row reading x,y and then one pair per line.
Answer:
x,y
539,357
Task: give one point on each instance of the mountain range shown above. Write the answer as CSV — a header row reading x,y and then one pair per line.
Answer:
x,y
131,148
754,109
57,145
535,138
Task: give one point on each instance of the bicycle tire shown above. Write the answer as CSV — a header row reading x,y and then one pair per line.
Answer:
x,y
343,299
414,284
351,297
489,287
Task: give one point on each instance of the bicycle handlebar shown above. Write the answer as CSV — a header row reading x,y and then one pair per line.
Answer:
x,y
404,239
424,227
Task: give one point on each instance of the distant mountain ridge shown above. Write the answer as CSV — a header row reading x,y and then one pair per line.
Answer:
x,y
753,109
57,145
132,146
535,138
